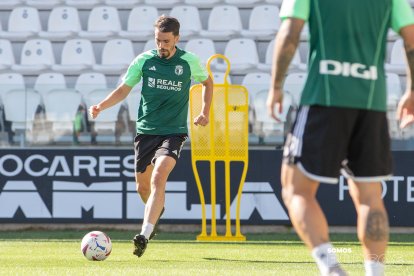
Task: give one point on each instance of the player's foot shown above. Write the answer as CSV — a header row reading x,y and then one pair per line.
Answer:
x,y
140,244
154,232
336,271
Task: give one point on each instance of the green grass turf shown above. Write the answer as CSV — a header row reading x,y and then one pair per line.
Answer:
x,y
58,253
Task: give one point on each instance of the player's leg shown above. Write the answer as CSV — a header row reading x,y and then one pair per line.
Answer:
x,y
372,225
143,183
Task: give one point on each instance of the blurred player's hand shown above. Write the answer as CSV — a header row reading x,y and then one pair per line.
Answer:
x,y
405,110
201,120
274,102
94,111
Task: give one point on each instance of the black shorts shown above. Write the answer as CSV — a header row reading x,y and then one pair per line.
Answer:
x,y
149,147
327,141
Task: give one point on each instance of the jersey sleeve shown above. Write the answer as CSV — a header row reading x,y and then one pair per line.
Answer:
x,y
198,71
134,72
295,8
402,15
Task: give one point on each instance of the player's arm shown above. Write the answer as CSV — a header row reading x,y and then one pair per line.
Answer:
x,y
117,95
286,43
207,95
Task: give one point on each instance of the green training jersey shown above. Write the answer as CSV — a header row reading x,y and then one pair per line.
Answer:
x,y
166,83
348,48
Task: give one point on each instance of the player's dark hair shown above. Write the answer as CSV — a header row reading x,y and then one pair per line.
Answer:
x,y
168,24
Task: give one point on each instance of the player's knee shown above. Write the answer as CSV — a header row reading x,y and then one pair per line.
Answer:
x,y
287,195
142,188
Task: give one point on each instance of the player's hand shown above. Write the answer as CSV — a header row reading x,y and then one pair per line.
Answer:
x,y
274,102
405,109
201,120
94,111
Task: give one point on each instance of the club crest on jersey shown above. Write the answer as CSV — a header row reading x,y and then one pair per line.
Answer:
x,y
179,70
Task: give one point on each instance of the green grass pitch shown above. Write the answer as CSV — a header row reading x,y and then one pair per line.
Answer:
x,y
58,253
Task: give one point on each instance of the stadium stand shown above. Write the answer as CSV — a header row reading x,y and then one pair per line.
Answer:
x,y
190,21
103,24
10,4
123,4
397,60
163,3
203,4
263,24
44,4
6,55
47,82
140,23
117,54
24,23
77,56
36,57
224,22
204,48
84,4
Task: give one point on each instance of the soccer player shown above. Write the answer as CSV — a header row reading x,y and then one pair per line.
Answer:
x,y
341,124
166,73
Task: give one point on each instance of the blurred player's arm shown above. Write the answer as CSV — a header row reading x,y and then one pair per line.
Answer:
x,y
286,43
117,95
405,111
207,95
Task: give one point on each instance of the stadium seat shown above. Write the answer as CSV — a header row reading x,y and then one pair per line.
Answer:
x,y
275,2
204,48
264,22
123,4
24,23
203,4
163,3
117,54
294,84
47,82
189,18
84,4
21,121
6,55
140,25
149,45
44,4
295,65
103,23
397,63
9,82
255,82
243,3
77,56
88,82
224,22
133,100
394,90
37,56
61,107
243,56
218,77
10,4
63,24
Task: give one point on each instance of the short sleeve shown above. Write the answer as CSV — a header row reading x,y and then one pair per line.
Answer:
x,y
134,72
198,71
295,8
402,15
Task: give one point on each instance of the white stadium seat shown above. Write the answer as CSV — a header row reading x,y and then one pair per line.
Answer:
x,y
24,23
202,4
295,65
77,56
398,62
204,48
294,84
123,4
149,45
9,82
394,90
133,100
224,22
37,56
88,82
243,3
264,22
61,107
218,77
117,54
140,23
21,121
275,2
44,4
243,56
10,4
255,82
103,23
47,82
189,18
6,55
163,3
63,24
84,4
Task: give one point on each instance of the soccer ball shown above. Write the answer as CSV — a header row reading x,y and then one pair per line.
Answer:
x,y
96,246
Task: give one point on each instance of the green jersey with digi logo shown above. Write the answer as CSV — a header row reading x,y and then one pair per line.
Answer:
x,y
166,83
347,49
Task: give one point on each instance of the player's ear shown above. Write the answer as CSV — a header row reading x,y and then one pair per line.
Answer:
x,y
177,38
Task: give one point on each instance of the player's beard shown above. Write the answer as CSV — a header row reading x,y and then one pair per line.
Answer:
x,y
165,53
